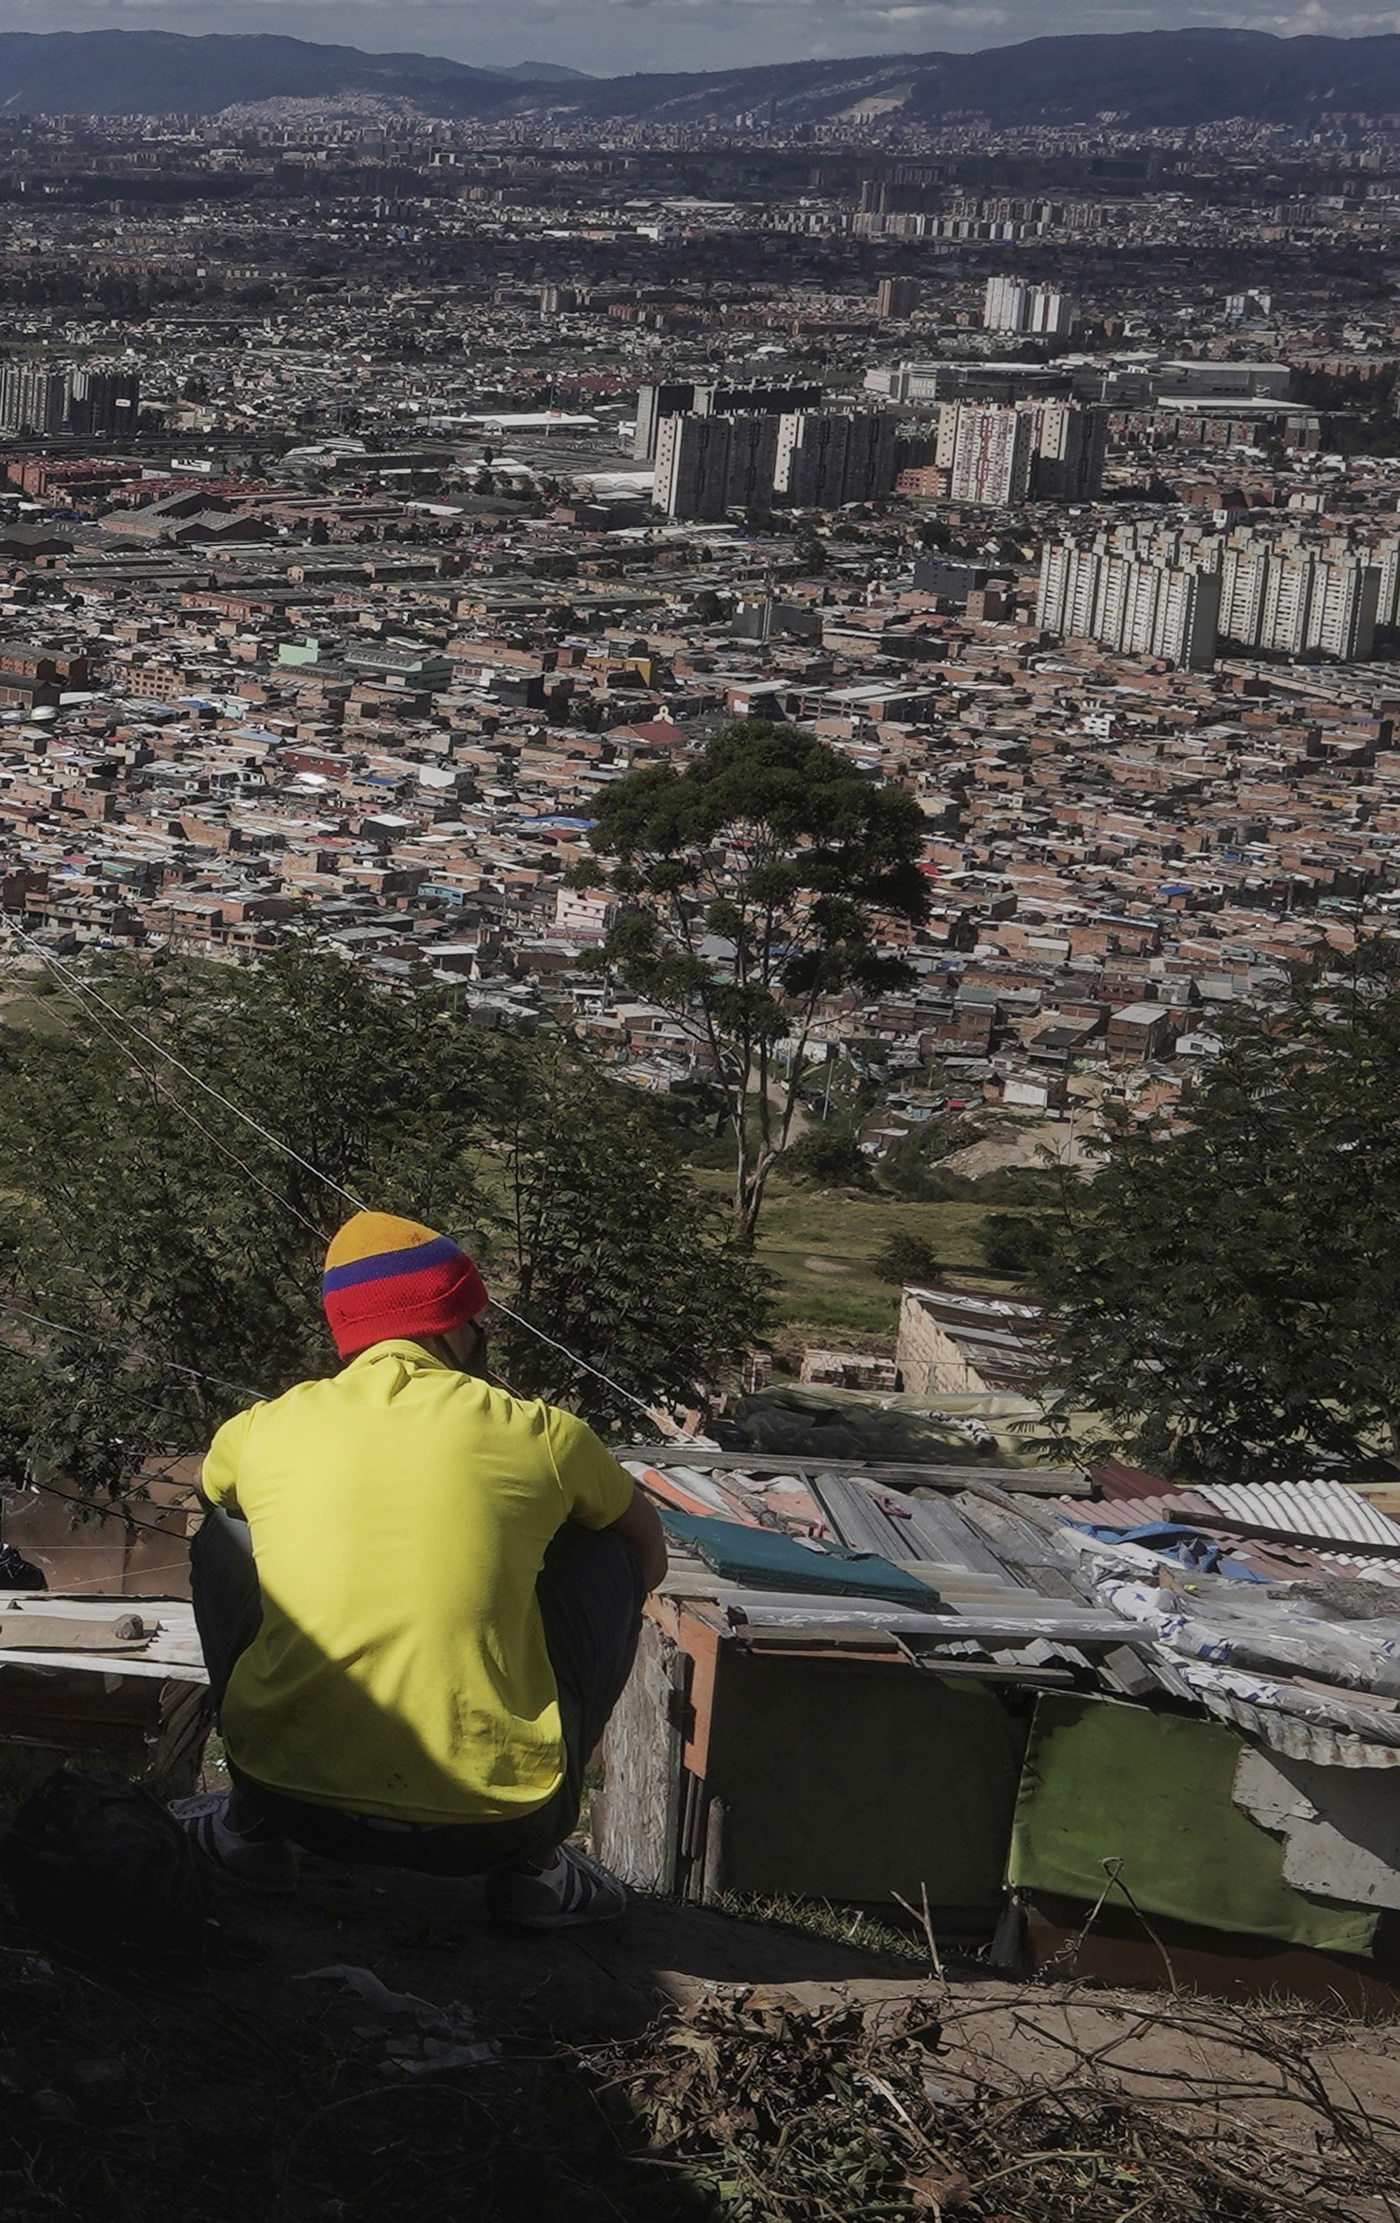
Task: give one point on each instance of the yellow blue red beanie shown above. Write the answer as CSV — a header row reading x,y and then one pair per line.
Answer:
x,y
389,1277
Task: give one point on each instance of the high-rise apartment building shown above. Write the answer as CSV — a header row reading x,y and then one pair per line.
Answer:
x,y
1136,592
90,404
753,458
692,467
1342,614
1051,312
1010,306
996,455
33,398
986,451
827,457
1244,574
1070,448
896,298
657,402
706,466
1264,592
1287,596
1004,306
102,404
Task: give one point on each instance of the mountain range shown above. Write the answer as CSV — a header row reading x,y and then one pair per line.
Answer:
x,y
1136,78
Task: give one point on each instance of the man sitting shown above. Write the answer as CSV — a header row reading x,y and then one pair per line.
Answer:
x,y
419,1599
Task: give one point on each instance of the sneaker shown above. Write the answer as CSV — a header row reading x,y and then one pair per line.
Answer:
x,y
573,1889
254,1862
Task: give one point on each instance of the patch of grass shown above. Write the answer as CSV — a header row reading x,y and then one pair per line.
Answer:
x,y
29,1014
853,1926
845,1228
213,1773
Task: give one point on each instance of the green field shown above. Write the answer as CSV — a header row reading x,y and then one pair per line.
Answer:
x,y
818,1243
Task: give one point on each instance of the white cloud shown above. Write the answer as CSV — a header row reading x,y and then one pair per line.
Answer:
x,y
1313,19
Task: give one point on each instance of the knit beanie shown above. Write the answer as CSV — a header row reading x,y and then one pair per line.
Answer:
x,y
389,1277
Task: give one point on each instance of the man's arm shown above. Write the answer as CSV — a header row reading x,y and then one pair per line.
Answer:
x,y
218,1475
643,1530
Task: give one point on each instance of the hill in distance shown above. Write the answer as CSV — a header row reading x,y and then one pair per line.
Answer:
x,y
1136,78
543,73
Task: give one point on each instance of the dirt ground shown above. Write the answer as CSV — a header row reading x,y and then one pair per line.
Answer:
x,y
1040,1142
676,2064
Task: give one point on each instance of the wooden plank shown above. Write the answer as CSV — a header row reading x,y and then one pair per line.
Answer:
x,y
28,1631
634,1823
1084,1629
867,1643
899,1474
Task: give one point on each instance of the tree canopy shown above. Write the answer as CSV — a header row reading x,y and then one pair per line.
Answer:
x,y
749,887
164,1241
1230,1292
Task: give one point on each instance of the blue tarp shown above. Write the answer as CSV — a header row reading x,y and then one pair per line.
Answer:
x,y
1189,1547
765,1559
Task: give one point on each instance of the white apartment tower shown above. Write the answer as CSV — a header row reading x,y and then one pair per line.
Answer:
x,y
1244,578
986,451
1167,590
1010,306
1137,593
1294,598
1342,617
1004,306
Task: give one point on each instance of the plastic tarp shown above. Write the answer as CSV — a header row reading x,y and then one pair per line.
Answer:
x,y
765,1559
1189,1547
1110,1789
850,1426
1275,1636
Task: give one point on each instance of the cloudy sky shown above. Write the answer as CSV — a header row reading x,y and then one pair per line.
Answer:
x,y
611,37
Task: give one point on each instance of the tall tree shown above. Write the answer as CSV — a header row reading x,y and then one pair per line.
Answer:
x,y
1230,1292
174,1251
607,1240
750,887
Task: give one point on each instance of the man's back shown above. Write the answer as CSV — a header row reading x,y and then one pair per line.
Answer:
x,y
399,1516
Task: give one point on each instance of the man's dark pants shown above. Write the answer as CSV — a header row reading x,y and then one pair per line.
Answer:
x,y
590,1593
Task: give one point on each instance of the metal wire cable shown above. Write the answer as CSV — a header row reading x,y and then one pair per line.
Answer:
x,y
171,1098
572,1357
111,1511
84,988
110,1343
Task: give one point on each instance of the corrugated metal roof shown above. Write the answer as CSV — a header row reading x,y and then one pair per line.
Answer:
x,y
1280,1562
1116,1480
1324,1512
867,1519
1129,1512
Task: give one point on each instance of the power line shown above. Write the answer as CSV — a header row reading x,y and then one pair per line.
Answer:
x,y
156,1083
110,1343
85,988
572,1356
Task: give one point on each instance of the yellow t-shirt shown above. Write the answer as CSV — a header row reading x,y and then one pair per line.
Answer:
x,y
399,1517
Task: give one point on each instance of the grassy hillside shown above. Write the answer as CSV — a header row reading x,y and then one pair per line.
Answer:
x,y
819,1244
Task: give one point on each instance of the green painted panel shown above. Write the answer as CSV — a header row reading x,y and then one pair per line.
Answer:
x,y
1105,1781
852,1782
